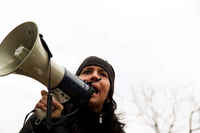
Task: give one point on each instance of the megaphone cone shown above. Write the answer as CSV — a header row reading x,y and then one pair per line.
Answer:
x,y
21,52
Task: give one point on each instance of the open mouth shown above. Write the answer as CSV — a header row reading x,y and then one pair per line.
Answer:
x,y
96,89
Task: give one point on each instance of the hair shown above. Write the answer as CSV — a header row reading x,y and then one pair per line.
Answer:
x,y
110,107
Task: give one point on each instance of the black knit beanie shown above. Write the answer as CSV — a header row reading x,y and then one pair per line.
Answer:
x,y
96,61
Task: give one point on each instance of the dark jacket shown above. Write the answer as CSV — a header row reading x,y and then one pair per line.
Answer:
x,y
84,121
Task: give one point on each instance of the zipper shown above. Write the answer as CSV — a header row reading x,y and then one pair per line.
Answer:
x,y
101,118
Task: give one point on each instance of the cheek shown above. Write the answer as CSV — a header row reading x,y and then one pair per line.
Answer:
x,y
82,77
107,87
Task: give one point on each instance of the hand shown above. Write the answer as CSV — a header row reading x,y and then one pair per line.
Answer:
x,y
56,106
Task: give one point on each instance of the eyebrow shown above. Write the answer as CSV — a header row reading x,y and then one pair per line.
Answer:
x,y
91,68
102,70
88,68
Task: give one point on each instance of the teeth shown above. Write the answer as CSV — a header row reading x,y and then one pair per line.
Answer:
x,y
96,90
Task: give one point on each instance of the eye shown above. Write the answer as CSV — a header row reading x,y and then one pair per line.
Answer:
x,y
103,74
86,72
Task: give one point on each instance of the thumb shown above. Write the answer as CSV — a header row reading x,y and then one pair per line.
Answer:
x,y
57,105
58,109
44,92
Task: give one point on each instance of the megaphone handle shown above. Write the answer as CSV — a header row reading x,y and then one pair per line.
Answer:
x,y
44,44
60,96
41,114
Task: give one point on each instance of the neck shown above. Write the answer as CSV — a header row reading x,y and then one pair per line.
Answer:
x,y
96,109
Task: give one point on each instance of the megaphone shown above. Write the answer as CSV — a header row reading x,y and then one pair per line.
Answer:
x,y
22,52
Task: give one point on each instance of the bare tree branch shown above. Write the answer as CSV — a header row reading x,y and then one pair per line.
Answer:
x,y
191,129
151,104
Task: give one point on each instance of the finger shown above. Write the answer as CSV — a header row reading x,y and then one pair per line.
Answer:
x,y
41,106
44,101
58,109
38,104
44,93
57,105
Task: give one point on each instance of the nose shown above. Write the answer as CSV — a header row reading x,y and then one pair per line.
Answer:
x,y
95,77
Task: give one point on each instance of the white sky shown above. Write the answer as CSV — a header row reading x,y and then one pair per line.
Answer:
x,y
151,42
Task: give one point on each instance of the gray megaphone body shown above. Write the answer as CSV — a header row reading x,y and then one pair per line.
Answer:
x,y
22,52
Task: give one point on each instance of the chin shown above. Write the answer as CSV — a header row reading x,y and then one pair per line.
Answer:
x,y
94,101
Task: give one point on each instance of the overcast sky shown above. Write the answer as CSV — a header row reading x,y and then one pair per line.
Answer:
x,y
149,42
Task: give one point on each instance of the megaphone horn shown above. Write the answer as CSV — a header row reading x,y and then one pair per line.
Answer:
x,y
22,52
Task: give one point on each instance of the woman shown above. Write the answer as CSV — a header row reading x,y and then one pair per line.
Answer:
x,y
98,116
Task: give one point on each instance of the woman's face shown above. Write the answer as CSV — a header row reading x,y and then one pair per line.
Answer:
x,y
102,87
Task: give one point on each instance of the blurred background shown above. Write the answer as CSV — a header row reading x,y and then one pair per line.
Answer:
x,y
153,46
